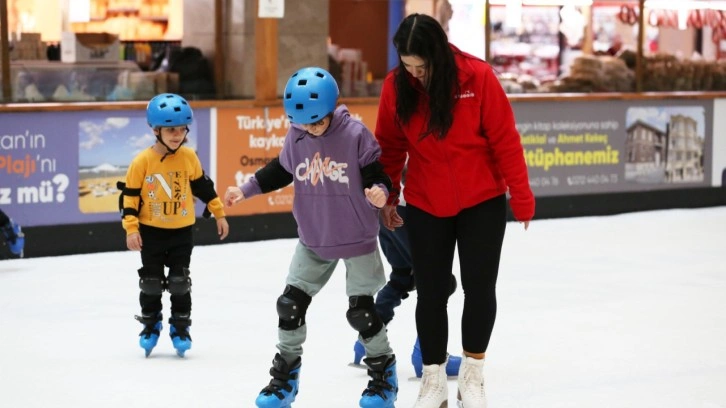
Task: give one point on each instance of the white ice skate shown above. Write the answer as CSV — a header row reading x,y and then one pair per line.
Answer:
x,y
434,392
471,384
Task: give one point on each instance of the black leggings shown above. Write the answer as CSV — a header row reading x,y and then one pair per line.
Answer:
x,y
171,248
478,232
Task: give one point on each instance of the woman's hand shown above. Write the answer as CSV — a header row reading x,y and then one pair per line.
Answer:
x,y
390,217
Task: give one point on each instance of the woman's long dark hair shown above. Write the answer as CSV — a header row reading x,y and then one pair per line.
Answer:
x,y
422,36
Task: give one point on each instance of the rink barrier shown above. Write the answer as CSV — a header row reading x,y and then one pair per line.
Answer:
x,y
105,237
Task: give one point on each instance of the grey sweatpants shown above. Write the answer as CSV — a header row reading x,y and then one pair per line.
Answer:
x,y
364,276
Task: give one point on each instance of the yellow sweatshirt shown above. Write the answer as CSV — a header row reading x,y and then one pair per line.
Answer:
x,y
165,199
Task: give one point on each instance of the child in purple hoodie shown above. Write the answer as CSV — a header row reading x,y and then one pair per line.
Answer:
x,y
332,159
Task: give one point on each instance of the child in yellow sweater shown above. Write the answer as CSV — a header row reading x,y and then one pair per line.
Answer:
x,y
157,205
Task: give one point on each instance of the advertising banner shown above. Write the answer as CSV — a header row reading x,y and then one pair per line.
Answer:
x,y
62,167
248,139
575,148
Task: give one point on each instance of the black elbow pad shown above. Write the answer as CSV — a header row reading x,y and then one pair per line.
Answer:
x,y
203,187
131,192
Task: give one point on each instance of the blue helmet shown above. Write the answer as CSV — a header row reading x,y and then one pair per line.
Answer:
x,y
168,109
310,94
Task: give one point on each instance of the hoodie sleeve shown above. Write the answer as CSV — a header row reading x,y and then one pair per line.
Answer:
x,y
368,148
497,120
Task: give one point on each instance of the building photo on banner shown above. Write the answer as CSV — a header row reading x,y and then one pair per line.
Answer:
x,y
625,146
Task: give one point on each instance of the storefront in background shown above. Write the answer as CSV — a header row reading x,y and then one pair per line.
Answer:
x,y
592,46
131,20
553,47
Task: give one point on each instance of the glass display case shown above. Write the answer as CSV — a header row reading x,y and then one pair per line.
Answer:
x,y
53,81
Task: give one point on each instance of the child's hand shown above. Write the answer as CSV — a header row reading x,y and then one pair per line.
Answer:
x,y
232,196
133,241
222,228
376,196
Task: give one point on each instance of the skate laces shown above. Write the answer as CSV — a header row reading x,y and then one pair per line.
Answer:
x,y
276,385
280,379
431,384
150,325
472,380
181,325
379,383
148,331
182,333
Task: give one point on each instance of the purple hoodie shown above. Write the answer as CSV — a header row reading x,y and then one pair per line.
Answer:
x,y
334,217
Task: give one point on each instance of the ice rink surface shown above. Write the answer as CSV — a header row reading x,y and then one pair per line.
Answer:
x,y
625,311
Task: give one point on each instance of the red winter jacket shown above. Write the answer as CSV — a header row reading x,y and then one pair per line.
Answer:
x,y
480,157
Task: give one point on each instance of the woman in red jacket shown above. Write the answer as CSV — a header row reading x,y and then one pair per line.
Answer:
x,y
446,111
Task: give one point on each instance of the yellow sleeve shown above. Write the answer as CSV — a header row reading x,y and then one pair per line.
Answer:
x,y
216,207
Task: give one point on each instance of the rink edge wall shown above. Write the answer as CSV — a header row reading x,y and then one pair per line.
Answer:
x,y
106,237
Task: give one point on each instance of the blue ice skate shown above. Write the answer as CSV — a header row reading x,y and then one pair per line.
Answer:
x,y
382,389
283,387
149,336
179,333
358,352
14,237
452,366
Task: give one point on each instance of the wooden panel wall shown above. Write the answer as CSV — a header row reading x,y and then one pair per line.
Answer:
x,y
362,24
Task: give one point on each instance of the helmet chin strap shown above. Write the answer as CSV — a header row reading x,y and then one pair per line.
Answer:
x,y
169,150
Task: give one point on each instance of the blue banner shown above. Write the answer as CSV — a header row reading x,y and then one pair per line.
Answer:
x,y
62,167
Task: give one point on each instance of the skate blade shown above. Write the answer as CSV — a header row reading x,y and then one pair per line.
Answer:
x,y
180,353
359,365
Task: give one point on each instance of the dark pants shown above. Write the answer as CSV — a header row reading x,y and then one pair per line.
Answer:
x,y
170,248
395,247
394,244
478,232
4,219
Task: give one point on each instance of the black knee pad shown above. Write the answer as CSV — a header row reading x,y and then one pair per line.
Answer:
x,y
291,307
179,282
363,317
152,280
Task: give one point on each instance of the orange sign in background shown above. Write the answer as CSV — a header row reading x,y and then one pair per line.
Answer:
x,y
248,139
365,113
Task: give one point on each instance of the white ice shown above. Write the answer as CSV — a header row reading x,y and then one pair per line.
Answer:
x,y
617,311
